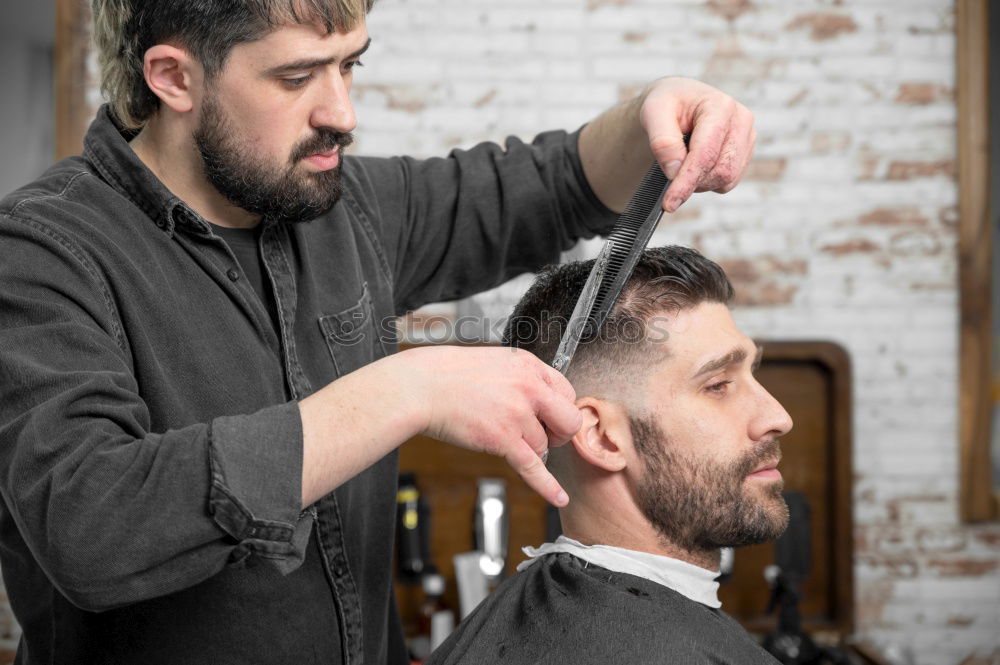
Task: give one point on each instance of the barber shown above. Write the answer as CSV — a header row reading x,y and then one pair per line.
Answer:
x,y
199,405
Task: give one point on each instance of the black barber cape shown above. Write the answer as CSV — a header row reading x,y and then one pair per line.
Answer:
x,y
562,609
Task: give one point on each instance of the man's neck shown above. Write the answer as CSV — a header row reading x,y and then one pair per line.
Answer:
x,y
585,521
170,153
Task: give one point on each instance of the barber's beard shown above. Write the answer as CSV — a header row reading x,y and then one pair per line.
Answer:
x,y
291,194
700,505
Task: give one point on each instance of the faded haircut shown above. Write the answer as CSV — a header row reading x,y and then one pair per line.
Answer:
x,y
666,280
209,29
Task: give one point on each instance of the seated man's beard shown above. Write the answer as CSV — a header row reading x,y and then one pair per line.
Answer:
x,y
700,505
289,195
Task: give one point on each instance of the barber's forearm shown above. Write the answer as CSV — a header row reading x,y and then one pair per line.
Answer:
x,y
615,153
351,424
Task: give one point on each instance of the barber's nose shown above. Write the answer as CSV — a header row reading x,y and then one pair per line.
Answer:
x,y
772,419
333,108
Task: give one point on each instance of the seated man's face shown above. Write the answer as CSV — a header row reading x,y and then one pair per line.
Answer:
x,y
707,437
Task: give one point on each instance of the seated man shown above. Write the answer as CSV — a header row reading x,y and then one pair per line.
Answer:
x,y
675,460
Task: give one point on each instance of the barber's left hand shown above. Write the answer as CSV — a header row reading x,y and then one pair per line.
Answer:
x,y
721,143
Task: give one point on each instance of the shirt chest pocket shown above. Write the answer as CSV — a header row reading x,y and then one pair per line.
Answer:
x,y
350,335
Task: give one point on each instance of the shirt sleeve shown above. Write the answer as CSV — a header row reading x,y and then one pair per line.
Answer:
x,y
113,511
459,225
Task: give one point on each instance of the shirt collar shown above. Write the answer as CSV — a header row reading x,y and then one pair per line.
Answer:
x,y
106,147
687,579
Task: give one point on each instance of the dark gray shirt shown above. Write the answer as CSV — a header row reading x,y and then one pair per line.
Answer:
x,y
150,456
563,610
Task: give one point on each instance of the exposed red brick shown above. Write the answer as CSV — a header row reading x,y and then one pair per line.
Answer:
x,y
728,59
407,105
871,601
824,142
923,93
799,97
861,543
766,169
753,270
765,295
757,281
875,90
895,506
991,538
895,566
949,217
823,25
964,567
903,216
900,170
869,164
635,37
485,99
397,99
853,246
730,9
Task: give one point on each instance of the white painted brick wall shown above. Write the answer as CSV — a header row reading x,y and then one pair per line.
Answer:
x,y
850,211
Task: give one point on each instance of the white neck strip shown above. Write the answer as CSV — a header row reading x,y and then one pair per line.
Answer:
x,y
685,578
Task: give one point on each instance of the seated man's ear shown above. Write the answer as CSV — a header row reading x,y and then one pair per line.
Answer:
x,y
605,439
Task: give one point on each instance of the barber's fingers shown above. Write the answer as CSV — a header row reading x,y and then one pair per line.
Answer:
x,y
556,408
751,141
704,149
737,149
530,467
533,433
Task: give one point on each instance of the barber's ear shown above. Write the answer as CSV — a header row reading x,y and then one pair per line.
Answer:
x,y
170,73
605,437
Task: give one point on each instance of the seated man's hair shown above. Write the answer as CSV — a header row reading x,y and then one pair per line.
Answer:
x,y
666,280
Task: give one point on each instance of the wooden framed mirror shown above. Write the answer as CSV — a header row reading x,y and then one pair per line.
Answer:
x,y
978,492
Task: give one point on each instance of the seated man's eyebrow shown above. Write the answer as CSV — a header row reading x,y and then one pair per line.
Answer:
x,y
758,358
302,65
735,356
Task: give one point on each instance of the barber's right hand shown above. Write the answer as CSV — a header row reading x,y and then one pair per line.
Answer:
x,y
501,401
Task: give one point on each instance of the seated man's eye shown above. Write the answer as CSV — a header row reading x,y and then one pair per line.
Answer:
x,y
297,82
718,388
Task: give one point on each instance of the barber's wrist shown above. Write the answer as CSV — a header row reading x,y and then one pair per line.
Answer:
x,y
404,392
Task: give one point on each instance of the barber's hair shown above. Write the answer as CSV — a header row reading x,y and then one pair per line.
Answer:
x,y
209,29
666,280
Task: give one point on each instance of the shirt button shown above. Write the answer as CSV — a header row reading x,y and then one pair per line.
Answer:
x,y
232,274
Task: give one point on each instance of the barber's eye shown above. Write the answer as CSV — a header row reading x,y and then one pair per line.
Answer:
x,y
296,82
352,64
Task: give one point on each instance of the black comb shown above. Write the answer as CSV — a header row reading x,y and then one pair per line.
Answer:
x,y
614,264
